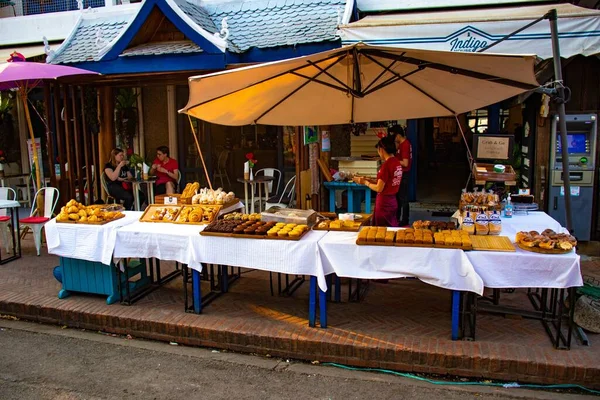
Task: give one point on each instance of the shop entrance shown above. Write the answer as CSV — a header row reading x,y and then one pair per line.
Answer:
x,y
443,168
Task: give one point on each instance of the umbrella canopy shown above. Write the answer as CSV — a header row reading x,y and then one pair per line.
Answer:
x,y
359,83
24,74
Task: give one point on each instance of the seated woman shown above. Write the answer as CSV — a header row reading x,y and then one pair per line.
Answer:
x,y
117,173
388,182
166,170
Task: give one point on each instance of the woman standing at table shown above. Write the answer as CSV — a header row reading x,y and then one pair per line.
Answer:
x,y
117,173
387,185
166,170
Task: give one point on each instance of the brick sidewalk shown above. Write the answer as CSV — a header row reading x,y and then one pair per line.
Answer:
x,y
403,325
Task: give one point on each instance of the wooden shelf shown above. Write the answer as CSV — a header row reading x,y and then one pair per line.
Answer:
x,y
509,177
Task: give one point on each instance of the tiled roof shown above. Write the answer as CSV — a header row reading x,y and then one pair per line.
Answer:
x,y
157,48
251,24
272,23
90,36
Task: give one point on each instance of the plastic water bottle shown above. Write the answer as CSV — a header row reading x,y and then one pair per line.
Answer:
x,y
508,209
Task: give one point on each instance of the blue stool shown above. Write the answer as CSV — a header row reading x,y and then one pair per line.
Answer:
x,y
97,278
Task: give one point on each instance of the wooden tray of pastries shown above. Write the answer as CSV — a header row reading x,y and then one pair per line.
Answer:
x,y
442,239
334,224
283,231
197,214
160,213
547,242
375,236
77,213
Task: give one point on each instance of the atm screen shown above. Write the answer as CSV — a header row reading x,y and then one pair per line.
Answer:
x,y
577,143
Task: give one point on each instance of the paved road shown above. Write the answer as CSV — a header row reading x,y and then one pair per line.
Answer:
x,y
46,362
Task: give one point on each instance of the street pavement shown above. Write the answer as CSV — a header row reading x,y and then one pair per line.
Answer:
x,y
47,362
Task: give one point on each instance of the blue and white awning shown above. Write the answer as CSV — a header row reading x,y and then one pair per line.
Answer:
x,y
472,30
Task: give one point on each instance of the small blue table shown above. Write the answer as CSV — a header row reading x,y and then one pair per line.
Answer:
x,y
351,187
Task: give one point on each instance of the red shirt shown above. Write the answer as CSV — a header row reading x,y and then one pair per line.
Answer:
x,y
391,173
170,166
405,152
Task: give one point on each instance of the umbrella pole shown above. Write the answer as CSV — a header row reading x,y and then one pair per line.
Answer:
x,y
200,152
36,162
562,119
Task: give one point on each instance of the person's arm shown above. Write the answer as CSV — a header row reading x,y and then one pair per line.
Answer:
x,y
113,174
378,187
404,155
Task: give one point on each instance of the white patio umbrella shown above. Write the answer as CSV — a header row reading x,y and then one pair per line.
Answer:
x,y
359,83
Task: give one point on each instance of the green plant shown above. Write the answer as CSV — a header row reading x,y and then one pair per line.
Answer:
x,y
6,106
126,115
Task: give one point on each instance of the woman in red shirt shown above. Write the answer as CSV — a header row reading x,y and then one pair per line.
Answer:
x,y
166,170
388,183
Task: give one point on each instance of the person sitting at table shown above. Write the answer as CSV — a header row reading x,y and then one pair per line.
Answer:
x,y
117,173
166,170
388,182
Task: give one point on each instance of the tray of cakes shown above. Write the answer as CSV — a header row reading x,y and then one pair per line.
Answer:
x,y
381,236
255,229
77,213
197,214
160,213
328,221
547,242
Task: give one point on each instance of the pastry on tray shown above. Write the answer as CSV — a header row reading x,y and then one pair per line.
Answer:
x,y
547,240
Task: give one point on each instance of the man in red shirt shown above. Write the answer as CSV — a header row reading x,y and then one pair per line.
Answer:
x,y
404,155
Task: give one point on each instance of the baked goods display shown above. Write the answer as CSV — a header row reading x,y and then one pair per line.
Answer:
x,y
75,212
414,237
197,214
210,196
337,225
488,200
164,214
434,226
481,222
222,226
257,228
190,189
282,230
546,242
242,217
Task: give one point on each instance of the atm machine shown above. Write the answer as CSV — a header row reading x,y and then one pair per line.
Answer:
x,y
581,137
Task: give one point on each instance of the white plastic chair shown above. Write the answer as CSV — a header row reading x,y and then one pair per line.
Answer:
x,y
276,175
6,193
36,222
286,200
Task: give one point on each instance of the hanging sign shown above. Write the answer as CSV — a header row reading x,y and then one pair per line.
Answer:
x,y
325,141
493,147
311,134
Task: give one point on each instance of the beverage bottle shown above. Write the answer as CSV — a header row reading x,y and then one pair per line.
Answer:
x,y
508,209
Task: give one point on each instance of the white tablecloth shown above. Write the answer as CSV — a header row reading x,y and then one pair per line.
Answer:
x,y
524,269
165,241
86,242
446,268
299,257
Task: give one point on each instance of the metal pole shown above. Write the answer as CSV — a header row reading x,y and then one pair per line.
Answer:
x,y
562,119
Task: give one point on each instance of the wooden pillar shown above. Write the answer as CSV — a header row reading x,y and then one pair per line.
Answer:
x,y
86,150
49,138
77,141
106,136
68,142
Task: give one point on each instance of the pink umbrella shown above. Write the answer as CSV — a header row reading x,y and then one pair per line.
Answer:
x,y
24,76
